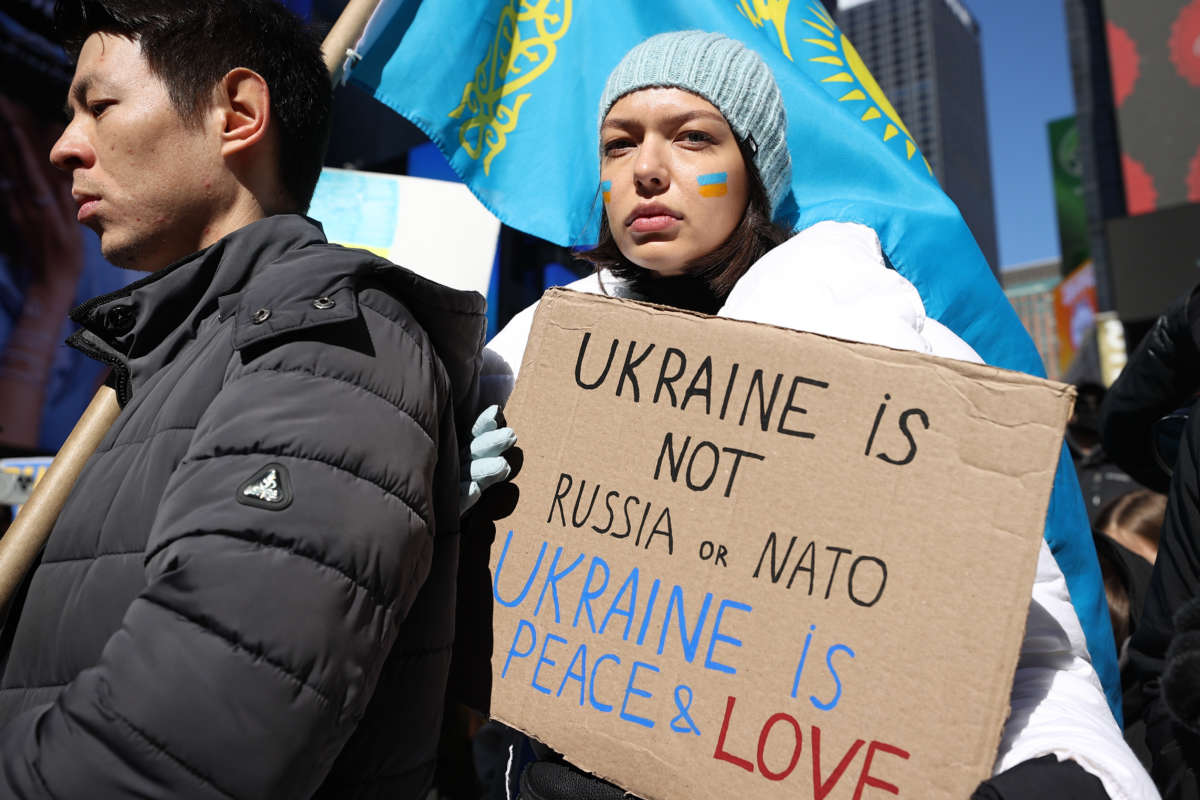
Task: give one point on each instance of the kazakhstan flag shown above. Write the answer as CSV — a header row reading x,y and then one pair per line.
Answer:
x,y
508,90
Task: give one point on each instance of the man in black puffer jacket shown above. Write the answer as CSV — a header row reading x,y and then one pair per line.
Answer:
x,y
250,592
1163,376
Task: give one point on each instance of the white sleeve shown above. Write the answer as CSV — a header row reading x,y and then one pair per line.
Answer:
x,y
503,354
831,279
1058,706
502,359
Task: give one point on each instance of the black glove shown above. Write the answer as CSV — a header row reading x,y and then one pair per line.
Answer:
x,y
549,780
1044,778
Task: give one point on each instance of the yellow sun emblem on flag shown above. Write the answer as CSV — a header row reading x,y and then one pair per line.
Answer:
x,y
851,69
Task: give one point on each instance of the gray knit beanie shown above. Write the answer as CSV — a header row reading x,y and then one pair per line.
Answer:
x,y
725,73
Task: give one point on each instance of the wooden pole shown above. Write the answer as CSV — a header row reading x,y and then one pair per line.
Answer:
x,y
345,34
29,531
24,538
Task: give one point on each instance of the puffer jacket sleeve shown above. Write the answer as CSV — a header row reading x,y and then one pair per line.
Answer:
x,y
243,667
1162,374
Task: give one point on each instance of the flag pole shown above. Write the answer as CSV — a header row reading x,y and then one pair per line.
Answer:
x,y
24,538
345,34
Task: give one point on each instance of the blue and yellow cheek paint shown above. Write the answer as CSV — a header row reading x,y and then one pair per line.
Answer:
x,y
713,184
606,190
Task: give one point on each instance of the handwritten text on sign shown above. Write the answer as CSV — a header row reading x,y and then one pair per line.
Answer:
x,y
746,558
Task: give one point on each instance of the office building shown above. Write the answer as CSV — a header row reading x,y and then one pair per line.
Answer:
x,y
925,55
1031,290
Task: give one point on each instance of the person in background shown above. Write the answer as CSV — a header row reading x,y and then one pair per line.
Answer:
x,y
1126,534
1149,426
48,264
1134,520
249,592
686,105
1100,478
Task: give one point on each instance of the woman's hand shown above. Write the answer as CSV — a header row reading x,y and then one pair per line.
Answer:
x,y
487,465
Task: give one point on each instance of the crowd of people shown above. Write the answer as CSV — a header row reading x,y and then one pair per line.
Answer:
x,y
264,585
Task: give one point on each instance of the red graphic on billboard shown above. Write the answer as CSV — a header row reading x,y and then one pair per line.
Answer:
x,y
1193,178
1140,194
1124,60
1184,44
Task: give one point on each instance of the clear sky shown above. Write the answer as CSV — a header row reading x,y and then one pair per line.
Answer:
x,y
1027,82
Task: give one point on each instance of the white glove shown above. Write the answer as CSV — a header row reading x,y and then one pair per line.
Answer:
x,y
487,465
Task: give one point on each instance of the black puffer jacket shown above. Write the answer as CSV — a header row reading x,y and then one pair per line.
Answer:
x,y
250,593
1162,375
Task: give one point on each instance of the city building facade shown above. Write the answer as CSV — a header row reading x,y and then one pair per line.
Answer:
x,y
1031,290
925,55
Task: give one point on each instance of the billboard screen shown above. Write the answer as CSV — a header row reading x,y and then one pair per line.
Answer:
x,y
1068,193
1074,312
1154,53
1154,259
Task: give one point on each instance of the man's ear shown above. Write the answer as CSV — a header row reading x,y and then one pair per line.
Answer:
x,y
243,104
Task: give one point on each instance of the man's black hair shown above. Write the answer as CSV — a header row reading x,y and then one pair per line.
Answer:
x,y
191,45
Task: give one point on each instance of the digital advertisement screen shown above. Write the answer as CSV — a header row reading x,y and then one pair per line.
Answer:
x,y
1154,53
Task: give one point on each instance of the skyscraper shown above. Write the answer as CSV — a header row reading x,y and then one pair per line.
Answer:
x,y
925,55
1031,289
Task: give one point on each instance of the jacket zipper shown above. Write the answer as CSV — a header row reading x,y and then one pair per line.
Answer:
x,y
120,370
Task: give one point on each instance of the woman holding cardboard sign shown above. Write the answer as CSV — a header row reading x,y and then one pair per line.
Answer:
x,y
694,168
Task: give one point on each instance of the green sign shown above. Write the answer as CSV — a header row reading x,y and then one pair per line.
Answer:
x,y
1068,193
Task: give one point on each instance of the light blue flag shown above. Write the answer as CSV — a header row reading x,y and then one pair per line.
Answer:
x,y
508,90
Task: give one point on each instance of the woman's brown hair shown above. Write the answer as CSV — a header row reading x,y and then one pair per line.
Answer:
x,y
719,270
1134,519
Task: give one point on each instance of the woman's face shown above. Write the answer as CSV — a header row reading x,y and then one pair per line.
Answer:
x,y
673,178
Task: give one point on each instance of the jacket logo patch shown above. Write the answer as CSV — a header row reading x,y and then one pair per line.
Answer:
x,y
270,487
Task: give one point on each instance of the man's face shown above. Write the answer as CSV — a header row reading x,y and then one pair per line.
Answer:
x,y
147,182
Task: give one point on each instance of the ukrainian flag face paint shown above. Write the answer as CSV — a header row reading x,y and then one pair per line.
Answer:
x,y
674,183
713,184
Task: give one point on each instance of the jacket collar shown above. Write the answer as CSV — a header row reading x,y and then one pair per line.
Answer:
x,y
139,328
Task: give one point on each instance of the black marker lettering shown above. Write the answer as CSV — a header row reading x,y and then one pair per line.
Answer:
x,y
612,351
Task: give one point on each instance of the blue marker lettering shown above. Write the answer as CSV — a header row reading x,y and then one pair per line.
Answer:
x,y
630,689
552,579
676,601
512,650
630,584
543,660
596,704
837,695
580,658
528,581
717,636
588,594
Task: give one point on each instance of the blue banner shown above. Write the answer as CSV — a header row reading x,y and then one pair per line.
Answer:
x,y
509,90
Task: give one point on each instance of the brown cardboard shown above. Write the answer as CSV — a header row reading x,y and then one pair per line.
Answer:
x,y
937,471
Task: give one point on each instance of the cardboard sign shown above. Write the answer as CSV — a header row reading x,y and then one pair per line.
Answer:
x,y
437,229
751,562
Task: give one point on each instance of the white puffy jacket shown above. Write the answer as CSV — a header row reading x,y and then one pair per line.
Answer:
x,y
831,279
